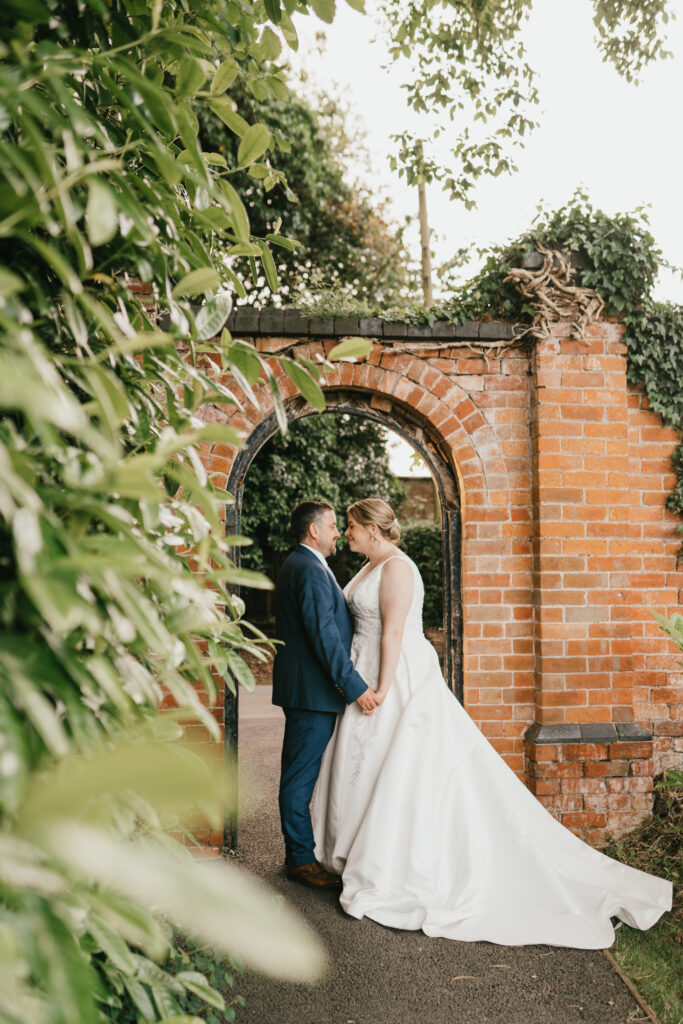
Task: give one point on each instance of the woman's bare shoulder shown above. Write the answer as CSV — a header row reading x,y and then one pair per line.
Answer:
x,y
397,570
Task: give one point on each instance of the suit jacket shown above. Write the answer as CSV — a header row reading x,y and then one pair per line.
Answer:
x,y
313,669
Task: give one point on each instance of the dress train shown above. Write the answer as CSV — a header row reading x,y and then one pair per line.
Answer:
x,y
430,829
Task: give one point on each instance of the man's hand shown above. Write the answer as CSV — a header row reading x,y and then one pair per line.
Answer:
x,y
367,702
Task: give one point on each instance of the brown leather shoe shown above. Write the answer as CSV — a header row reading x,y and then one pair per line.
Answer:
x,y
314,875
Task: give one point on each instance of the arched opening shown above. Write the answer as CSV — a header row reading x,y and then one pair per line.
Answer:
x,y
417,433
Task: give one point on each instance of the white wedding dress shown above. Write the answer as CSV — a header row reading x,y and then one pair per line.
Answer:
x,y
430,829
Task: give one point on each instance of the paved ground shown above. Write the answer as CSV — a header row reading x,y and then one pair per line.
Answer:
x,y
382,976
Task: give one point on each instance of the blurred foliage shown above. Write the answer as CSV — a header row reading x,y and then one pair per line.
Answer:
x,y
344,241
114,576
220,971
334,458
672,626
423,542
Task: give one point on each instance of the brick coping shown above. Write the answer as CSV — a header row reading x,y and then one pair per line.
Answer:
x,y
587,732
246,320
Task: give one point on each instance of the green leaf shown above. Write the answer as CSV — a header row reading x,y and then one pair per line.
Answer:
x,y
286,243
256,140
278,405
190,77
268,265
220,432
244,249
111,396
211,317
197,282
241,671
269,45
273,11
58,263
351,348
224,77
224,109
215,217
67,974
10,283
166,776
246,578
140,997
304,382
189,133
358,5
239,217
243,356
33,11
324,9
168,167
197,983
111,944
134,924
221,907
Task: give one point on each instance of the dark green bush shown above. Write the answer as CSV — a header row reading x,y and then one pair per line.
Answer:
x,y
423,543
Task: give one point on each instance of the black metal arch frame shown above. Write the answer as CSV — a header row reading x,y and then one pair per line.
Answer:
x,y
418,432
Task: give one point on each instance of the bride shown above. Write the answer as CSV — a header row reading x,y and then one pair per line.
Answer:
x,y
425,823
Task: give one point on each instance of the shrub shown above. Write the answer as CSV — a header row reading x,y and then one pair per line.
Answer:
x,y
423,543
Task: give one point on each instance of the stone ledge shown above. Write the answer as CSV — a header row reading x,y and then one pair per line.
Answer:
x,y
251,322
587,732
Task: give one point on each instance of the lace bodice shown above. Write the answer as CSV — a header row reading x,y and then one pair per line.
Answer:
x,y
363,598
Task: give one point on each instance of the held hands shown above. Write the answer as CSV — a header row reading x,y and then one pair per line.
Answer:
x,y
367,701
370,700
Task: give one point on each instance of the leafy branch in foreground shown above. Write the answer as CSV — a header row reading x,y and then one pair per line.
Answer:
x,y
115,576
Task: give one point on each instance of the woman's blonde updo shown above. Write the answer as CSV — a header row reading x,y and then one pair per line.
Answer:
x,y
379,513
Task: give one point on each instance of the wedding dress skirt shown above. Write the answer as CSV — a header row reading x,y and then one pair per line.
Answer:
x,y
430,829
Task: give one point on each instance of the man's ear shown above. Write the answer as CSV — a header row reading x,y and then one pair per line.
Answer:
x,y
313,530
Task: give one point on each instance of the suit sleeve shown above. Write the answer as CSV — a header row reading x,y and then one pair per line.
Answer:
x,y
317,611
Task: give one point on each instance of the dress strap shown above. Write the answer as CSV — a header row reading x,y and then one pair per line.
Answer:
x,y
404,558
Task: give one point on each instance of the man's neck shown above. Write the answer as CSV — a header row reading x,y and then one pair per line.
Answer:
x,y
319,554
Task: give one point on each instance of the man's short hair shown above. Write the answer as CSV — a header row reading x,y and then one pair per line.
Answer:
x,y
305,513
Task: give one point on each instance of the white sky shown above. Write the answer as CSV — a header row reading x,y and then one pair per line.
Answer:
x,y
401,457
622,143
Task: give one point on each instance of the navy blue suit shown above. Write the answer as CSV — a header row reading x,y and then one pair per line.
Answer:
x,y
313,680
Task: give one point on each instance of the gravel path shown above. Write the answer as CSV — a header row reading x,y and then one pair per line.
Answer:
x,y
381,976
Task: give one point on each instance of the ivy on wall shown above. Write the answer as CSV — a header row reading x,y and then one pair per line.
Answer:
x,y
618,257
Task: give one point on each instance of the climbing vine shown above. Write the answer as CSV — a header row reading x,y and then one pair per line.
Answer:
x,y
614,256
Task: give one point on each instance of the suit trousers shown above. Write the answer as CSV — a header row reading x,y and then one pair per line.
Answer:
x,y
307,733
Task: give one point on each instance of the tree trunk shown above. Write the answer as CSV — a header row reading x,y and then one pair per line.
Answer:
x,y
426,260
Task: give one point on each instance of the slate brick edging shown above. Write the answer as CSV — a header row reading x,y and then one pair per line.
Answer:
x,y
587,732
250,322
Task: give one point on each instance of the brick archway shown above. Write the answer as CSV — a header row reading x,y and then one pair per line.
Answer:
x,y
556,474
418,433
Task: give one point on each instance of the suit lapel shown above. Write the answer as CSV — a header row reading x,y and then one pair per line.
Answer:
x,y
309,554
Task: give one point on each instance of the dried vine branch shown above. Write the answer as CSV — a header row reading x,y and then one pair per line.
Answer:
x,y
554,297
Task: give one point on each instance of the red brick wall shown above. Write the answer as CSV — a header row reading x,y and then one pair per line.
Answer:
x,y
564,475
419,503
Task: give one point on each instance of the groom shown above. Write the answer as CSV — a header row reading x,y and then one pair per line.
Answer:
x,y
313,678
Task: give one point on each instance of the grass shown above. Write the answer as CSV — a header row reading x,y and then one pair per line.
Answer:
x,y
654,959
